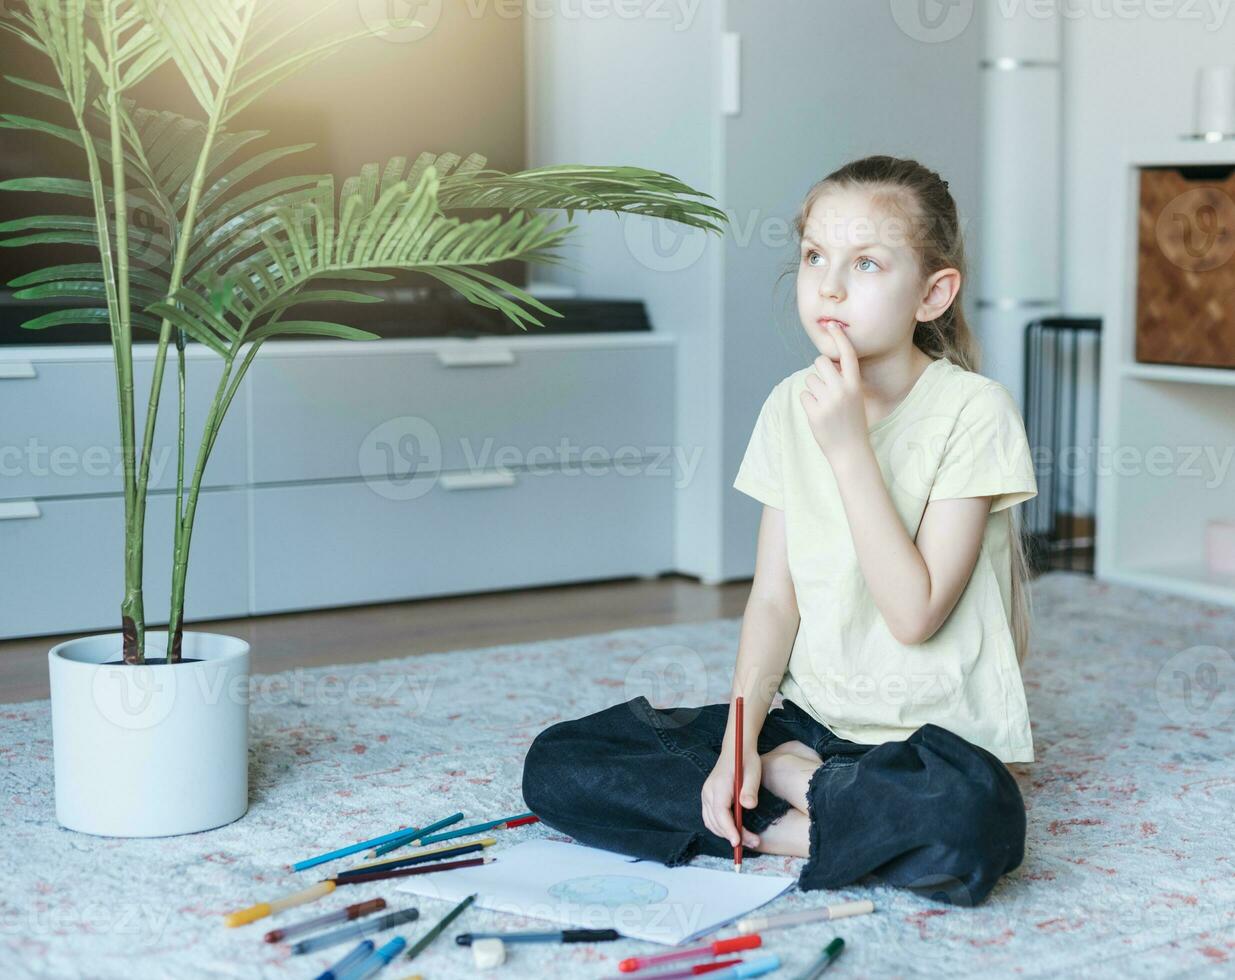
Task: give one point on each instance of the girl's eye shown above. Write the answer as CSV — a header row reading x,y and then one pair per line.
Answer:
x,y
811,253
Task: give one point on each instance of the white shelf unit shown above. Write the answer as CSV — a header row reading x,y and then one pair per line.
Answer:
x,y
1167,432
345,474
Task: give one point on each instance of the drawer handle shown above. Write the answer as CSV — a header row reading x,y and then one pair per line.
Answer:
x,y
476,481
12,370
16,510
476,356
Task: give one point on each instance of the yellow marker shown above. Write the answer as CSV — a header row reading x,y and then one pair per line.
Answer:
x,y
444,849
263,909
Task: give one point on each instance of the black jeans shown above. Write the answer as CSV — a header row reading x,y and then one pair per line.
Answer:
x,y
934,813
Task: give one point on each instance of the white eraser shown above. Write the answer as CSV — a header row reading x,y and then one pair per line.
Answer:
x,y
488,953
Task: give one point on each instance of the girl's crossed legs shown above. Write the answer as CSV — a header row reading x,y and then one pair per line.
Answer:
x,y
787,771
933,813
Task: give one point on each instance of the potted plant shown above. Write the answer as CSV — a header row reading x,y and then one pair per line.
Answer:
x,y
150,727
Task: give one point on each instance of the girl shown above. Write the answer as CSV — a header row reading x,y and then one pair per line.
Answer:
x,y
888,607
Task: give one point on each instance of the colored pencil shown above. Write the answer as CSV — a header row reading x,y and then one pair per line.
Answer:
x,y
424,869
737,789
436,931
409,837
553,936
342,915
263,909
364,845
481,827
421,856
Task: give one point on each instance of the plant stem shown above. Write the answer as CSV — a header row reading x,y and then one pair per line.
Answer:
x,y
132,608
173,628
160,357
184,523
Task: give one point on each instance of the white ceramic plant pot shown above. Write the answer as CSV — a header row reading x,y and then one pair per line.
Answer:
x,y
155,749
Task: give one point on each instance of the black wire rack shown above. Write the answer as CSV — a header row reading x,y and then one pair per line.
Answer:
x,y
1062,356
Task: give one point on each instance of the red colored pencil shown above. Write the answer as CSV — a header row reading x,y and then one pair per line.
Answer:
x,y
423,869
737,788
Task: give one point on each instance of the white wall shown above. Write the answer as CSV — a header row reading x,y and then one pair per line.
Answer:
x,y
823,83
1126,81
643,92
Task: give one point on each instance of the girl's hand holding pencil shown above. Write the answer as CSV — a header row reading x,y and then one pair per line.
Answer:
x,y
718,791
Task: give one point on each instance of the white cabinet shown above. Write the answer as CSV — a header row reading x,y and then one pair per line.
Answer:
x,y
61,563
60,432
347,473
461,406
333,543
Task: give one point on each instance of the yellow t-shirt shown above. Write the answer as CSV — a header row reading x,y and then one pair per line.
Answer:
x,y
955,434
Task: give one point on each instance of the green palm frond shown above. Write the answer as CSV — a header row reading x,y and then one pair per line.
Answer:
x,y
57,28
89,272
221,48
385,223
31,124
87,315
65,186
571,188
138,48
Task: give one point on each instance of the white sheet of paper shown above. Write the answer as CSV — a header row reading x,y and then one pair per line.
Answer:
x,y
589,888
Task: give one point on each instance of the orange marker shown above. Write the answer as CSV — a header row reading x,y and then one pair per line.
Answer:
x,y
263,909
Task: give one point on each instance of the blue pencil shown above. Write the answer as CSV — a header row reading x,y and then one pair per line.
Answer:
x,y
407,836
474,829
364,845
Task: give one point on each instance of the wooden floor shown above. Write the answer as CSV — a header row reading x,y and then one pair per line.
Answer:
x,y
363,633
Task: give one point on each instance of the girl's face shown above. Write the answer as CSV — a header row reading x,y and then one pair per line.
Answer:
x,y
856,265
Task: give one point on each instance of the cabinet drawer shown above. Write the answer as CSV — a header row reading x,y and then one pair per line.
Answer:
x,y
400,413
352,542
60,433
62,569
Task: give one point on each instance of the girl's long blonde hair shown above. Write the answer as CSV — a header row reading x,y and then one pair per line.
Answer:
x,y
922,199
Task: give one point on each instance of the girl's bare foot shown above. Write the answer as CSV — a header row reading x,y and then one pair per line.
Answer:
x,y
790,835
787,770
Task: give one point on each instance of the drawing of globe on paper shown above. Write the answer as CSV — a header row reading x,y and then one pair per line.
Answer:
x,y
609,890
